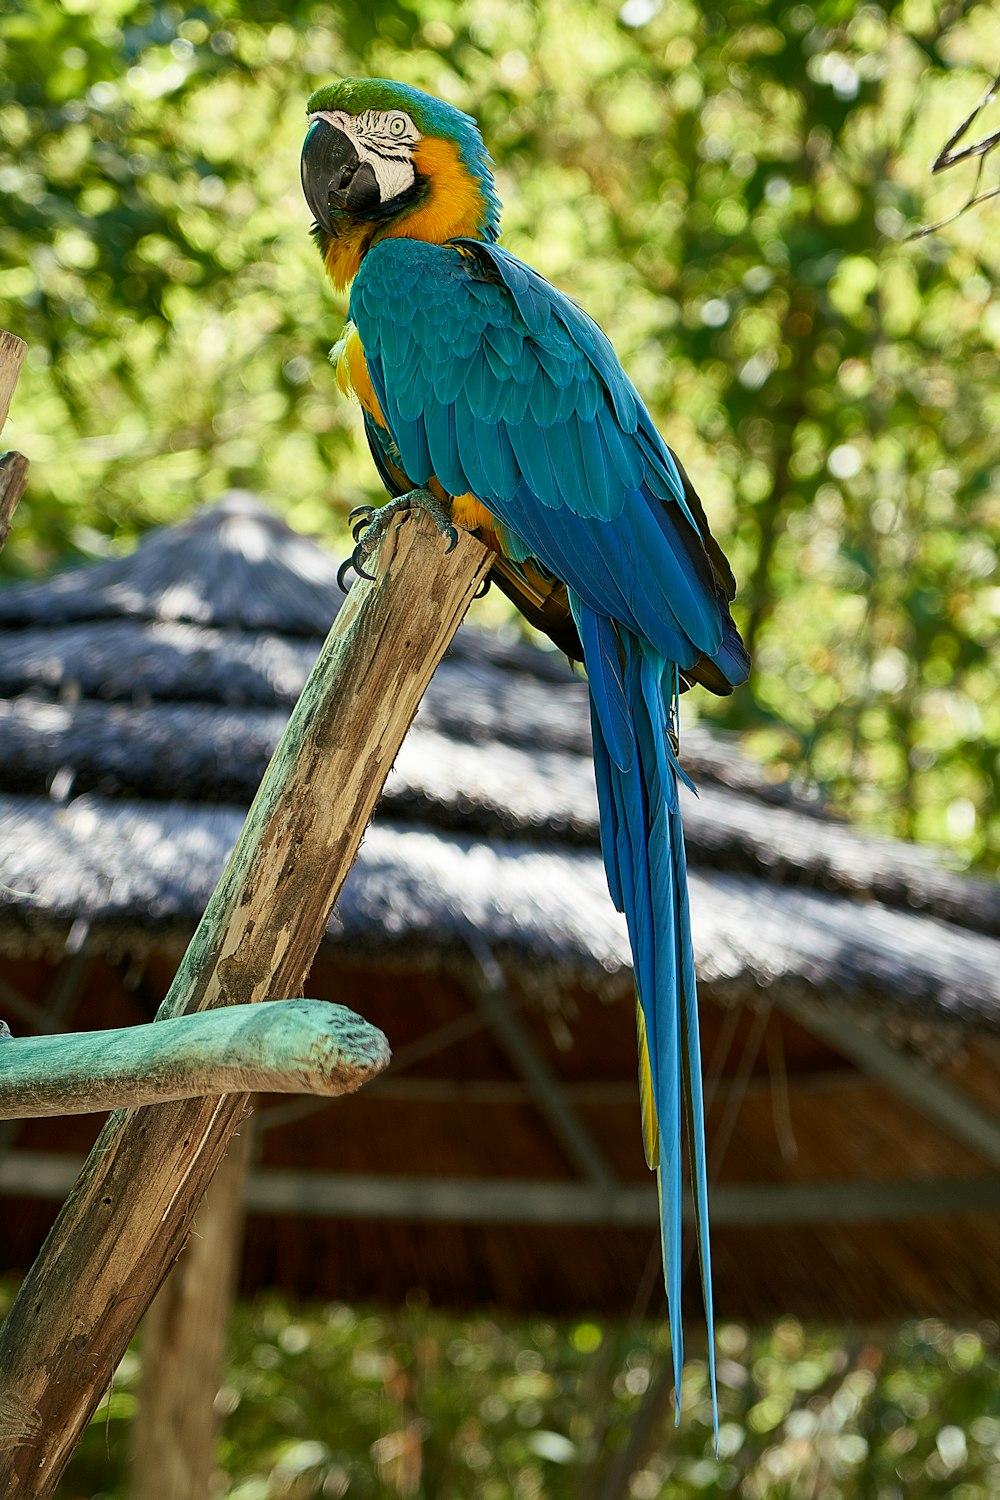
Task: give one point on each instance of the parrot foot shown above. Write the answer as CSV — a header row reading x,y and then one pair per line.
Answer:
x,y
370,524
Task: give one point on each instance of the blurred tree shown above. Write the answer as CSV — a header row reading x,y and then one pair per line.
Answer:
x,y
335,1401
728,189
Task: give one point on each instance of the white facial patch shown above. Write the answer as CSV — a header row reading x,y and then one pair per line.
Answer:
x,y
384,138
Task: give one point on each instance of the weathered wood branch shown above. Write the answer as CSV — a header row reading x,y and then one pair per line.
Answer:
x,y
280,1047
129,1214
13,466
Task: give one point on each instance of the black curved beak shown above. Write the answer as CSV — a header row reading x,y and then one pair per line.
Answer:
x,y
334,177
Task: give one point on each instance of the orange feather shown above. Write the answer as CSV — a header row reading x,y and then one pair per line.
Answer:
x,y
455,206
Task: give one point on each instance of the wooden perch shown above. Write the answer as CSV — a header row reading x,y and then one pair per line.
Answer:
x,y
280,1047
13,466
129,1214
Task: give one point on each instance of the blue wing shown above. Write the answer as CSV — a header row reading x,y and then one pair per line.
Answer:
x,y
496,384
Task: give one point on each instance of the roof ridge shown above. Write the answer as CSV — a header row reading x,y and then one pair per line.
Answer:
x,y
233,563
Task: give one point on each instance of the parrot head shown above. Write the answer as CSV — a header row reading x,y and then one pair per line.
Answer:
x,y
383,160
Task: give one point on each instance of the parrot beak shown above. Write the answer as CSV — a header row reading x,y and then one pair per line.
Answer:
x,y
333,175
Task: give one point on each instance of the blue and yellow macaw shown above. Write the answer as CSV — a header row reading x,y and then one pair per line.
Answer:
x,y
493,400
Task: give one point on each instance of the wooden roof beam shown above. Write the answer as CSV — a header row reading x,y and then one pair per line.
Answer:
x,y
516,1201
458,1200
933,1096
547,1092
595,1093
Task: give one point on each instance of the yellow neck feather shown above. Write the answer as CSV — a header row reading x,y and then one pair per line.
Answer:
x,y
352,373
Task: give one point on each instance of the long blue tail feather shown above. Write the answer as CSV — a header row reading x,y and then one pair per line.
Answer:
x,y
633,690
607,685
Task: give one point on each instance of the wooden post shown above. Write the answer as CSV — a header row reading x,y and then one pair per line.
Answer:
x,y
280,1047
184,1345
13,466
130,1212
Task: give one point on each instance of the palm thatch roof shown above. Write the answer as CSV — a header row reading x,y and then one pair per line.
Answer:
x,y
128,869
143,698
140,700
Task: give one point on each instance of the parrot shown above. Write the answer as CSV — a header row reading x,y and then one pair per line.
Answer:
x,y
495,403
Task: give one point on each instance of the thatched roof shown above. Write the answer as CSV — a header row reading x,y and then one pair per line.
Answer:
x,y
138,866
234,566
139,703
143,698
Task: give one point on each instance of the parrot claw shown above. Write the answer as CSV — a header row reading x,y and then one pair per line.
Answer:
x,y
358,563
369,523
361,516
483,588
342,571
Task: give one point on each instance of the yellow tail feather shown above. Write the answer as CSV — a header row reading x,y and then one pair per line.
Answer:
x,y
647,1106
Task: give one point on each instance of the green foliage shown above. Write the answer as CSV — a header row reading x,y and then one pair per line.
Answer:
x,y
728,189
331,1401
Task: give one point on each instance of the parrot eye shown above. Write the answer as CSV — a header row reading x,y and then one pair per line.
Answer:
x,y
397,125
